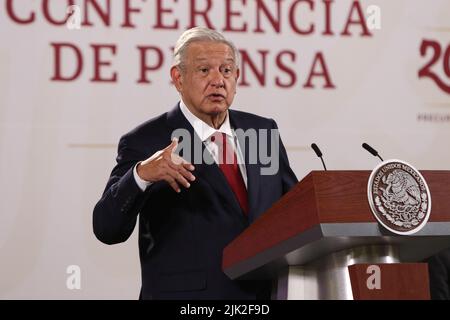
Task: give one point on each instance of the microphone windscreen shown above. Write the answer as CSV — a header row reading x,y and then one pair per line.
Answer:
x,y
316,149
370,149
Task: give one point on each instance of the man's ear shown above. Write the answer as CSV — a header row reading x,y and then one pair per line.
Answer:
x,y
175,74
238,73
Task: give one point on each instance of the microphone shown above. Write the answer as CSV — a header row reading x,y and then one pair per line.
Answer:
x,y
318,153
371,150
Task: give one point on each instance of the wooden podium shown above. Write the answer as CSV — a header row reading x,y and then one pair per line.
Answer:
x,y
321,241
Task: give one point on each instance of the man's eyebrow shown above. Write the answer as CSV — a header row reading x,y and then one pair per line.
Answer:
x,y
206,59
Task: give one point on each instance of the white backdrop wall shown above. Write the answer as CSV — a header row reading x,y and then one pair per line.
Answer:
x,y
346,83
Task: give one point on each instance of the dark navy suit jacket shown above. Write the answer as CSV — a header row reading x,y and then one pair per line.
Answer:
x,y
439,273
181,236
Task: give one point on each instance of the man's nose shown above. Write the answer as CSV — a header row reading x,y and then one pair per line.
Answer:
x,y
217,79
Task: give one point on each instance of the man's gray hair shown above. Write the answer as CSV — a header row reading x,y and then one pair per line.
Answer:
x,y
198,34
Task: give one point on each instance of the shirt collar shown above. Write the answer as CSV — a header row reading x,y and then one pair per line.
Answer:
x,y
201,128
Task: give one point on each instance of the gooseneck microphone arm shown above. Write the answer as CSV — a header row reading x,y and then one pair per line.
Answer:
x,y
319,154
371,150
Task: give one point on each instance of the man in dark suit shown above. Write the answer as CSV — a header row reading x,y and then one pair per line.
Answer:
x,y
189,210
439,273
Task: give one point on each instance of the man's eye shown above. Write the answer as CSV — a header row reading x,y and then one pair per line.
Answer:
x,y
204,70
227,70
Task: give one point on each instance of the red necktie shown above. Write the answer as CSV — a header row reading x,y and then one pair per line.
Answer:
x,y
230,169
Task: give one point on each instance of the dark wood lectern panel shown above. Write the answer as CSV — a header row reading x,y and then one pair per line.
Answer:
x,y
342,196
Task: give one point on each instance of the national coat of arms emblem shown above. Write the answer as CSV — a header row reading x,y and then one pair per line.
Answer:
x,y
399,197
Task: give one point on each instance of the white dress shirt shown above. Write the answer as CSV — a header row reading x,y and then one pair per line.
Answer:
x,y
204,132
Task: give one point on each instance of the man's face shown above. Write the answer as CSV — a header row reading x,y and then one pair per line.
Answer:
x,y
207,82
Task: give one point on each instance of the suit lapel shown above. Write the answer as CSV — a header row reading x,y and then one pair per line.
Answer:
x,y
210,173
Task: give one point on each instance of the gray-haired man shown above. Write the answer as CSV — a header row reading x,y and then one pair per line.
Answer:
x,y
190,210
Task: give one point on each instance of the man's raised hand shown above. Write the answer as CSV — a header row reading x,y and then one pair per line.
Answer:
x,y
168,166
